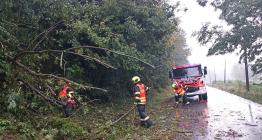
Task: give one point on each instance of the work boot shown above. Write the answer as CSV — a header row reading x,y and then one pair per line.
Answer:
x,y
148,123
143,123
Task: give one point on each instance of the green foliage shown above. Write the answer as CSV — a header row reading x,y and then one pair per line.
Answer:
x,y
25,129
135,28
4,125
75,72
66,128
21,129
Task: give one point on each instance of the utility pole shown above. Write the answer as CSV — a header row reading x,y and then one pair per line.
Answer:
x,y
215,75
246,69
210,77
225,71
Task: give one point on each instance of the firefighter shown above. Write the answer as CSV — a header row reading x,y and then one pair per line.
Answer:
x,y
139,91
66,95
179,90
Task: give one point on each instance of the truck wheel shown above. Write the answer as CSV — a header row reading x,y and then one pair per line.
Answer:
x,y
202,97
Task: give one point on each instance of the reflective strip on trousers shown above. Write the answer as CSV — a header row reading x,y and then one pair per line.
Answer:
x,y
145,119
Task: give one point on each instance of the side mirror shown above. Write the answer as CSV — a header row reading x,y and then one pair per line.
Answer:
x,y
205,70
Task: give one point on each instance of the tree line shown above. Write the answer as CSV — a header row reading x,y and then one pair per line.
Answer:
x,y
97,45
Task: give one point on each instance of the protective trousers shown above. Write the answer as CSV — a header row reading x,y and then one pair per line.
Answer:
x,y
145,121
177,96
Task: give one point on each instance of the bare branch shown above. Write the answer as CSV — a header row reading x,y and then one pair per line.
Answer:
x,y
51,89
91,101
53,101
85,56
112,51
116,121
45,33
92,59
67,52
61,60
2,46
56,77
123,116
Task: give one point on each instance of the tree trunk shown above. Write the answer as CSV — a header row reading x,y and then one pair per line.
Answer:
x,y
246,70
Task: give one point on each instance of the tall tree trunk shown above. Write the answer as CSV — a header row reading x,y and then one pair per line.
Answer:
x,y
246,70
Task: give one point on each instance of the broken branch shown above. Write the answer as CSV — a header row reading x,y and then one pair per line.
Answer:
x,y
112,51
45,33
55,77
123,116
53,101
67,52
61,60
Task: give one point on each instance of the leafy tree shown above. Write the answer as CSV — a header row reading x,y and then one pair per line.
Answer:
x,y
245,36
95,45
181,49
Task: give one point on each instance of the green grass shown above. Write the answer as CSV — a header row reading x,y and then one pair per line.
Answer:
x,y
90,121
239,88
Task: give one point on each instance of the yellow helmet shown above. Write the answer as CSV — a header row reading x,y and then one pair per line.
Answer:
x,y
135,79
174,85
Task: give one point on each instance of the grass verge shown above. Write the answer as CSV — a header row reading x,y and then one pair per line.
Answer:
x,y
239,88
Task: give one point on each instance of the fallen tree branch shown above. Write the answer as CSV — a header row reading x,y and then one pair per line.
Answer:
x,y
116,121
44,33
61,60
56,77
84,56
92,58
67,52
51,90
91,101
53,101
123,116
112,51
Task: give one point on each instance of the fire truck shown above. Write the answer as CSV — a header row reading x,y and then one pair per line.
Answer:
x,y
192,76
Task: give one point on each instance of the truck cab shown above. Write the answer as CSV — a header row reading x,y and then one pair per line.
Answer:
x,y
192,76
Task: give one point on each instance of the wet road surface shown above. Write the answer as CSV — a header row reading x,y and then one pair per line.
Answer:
x,y
225,116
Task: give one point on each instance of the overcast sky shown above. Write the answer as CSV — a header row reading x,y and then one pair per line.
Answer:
x,y
192,20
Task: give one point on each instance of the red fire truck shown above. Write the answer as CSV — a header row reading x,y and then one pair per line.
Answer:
x,y
192,76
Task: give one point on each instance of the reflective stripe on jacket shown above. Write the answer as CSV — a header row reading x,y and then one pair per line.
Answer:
x,y
141,95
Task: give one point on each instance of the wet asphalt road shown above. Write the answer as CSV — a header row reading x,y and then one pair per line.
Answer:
x,y
225,116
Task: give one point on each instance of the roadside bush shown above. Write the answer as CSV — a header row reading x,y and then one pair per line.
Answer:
x,y
4,125
66,128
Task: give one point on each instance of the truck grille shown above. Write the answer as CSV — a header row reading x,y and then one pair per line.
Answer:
x,y
192,89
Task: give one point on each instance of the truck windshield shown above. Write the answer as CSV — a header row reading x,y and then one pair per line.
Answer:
x,y
187,72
